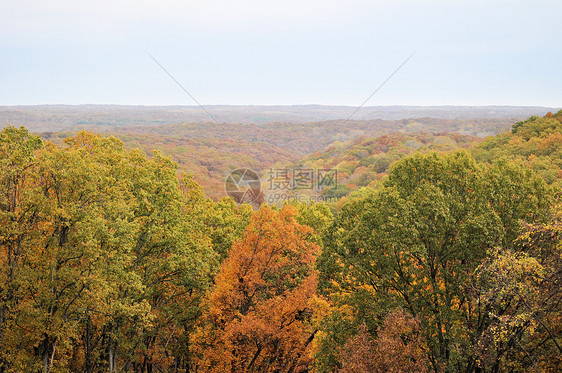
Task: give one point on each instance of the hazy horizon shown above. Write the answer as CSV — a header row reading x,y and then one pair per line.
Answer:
x,y
195,106
292,53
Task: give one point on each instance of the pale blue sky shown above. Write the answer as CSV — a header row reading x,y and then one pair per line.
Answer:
x,y
281,52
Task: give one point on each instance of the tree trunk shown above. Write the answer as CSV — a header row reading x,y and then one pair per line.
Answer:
x,y
112,356
88,344
47,353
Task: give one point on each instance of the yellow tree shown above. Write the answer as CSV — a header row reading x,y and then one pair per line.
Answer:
x,y
101,262
21,221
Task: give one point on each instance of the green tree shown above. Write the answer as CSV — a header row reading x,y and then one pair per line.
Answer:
x,y
416,242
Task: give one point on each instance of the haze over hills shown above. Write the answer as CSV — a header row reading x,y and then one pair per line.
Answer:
x,y
40,118
258,137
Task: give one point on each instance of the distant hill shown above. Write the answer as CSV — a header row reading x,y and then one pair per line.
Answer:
x,y
364,161
210,154
535,142
40,118
210,151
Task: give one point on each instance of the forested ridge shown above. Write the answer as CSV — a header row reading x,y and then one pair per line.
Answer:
x,y
361,152
446,256
209,151
42,118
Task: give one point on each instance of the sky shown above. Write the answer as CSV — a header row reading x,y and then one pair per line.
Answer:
x,y
290,52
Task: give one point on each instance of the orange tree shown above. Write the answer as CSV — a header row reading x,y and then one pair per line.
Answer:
x,y
398,348
257,316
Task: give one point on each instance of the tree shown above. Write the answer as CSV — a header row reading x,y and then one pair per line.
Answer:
x,y
508,287
416,242
535,142
258,311
358,353
521,290
103,261
397,348
20,224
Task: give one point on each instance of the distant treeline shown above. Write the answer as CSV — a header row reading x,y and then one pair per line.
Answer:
x,y
39,118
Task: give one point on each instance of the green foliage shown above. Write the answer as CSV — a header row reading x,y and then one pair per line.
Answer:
x,y
363,161
535,142
316,216
417,241
429,260
103,257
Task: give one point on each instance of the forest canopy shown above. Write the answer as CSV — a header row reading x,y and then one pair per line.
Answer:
x,y
441,260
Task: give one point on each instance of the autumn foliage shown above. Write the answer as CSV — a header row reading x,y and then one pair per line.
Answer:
x,y
398,347
257,314
449,261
